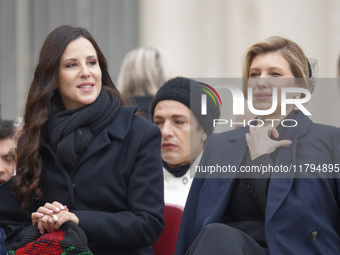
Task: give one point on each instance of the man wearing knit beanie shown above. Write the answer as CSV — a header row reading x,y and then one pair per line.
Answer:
x,y
176,109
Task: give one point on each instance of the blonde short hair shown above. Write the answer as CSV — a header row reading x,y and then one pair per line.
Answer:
x,y
290,50
144,70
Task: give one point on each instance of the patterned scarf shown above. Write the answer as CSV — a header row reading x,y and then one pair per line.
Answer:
x,y
70,239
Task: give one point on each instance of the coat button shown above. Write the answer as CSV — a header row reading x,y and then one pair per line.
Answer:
x,y
185,180
313,235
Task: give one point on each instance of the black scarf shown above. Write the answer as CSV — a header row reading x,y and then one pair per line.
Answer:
x,y
177,171
70,132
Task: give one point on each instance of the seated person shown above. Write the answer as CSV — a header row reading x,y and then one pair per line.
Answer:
x,y
273,212
144,70
170,110
7,150
84,156
7,161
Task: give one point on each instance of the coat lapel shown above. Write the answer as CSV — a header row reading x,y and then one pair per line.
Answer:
x,y
118,129
215,193
281,182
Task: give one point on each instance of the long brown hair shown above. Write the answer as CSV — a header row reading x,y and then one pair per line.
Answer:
x,y
41,100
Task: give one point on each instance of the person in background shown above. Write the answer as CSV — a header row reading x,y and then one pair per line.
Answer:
x,y
268,212
7,150
144,70
184,133
7,161
84,156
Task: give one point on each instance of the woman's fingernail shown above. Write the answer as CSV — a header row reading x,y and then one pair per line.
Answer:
x,y
41,214
42,232
57,209
62,207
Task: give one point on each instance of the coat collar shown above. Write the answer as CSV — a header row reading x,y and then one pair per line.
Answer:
x,y
281,183
213,200
122,123
118,129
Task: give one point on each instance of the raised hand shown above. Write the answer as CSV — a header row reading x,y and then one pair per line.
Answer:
x,y
260,143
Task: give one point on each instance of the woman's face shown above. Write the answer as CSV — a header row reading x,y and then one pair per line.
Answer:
x,y
263,73
80,76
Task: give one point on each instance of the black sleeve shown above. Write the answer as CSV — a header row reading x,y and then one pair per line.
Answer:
x,y
12,220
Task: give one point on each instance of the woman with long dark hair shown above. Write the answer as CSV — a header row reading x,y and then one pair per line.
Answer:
x,y
84,156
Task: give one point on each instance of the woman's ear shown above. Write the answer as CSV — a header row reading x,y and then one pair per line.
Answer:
x,y
204,135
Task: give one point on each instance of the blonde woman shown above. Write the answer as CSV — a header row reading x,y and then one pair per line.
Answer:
x,y
144,70
278,212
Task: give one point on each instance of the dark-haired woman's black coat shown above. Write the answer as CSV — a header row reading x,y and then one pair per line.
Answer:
x,y
116,190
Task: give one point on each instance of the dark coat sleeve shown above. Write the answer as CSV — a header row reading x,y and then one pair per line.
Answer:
x,y
12,220
142,224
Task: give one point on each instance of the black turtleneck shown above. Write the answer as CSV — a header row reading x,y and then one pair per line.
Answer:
x,y
177,171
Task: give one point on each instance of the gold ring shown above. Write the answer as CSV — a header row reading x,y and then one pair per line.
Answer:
x,y
55,218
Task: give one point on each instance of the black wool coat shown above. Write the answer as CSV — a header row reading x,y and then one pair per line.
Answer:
x,y
116,189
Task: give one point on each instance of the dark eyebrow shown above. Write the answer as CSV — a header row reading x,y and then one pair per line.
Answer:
x,y
178,116
70,59
172,116
74,59
157,117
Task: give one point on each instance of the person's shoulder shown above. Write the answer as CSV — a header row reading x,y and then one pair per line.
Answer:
x,y
314,127
230,134
324,131
323,127
127,121
218,140
137,122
